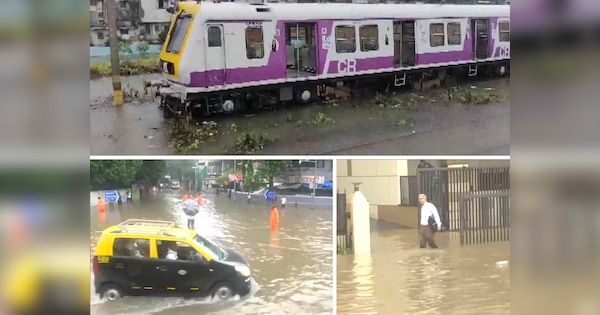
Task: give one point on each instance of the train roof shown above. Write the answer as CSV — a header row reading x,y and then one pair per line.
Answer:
x,y
330,11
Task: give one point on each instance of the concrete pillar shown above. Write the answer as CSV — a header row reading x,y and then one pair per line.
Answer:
x,y
359,222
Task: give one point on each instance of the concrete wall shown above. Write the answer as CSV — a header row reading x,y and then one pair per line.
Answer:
x,y
380,180
318,201
95,194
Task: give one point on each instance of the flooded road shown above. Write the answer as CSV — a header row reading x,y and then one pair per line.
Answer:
x,y
435,127
292,268
400,278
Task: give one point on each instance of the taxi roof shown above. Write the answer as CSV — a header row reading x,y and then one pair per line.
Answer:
x,y
148,227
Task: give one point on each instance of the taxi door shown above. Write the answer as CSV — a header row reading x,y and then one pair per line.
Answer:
x,y
188,275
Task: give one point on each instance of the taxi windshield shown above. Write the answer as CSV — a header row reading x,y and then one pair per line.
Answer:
x,y
217,252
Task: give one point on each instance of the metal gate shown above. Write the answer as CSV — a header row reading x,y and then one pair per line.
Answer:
x,y
343,237
445,188
485,218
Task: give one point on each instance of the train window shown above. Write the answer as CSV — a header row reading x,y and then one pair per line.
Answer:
x,y
369,37
436,34
454,36
255,46
345,39
504,28
214,36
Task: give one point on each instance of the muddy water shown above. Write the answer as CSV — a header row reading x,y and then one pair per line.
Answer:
x,y
138,127
399,278
292,269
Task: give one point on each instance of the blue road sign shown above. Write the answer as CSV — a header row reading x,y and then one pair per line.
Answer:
x,y
110,196
270,195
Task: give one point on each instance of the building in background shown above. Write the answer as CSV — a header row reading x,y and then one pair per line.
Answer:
x,y
154,23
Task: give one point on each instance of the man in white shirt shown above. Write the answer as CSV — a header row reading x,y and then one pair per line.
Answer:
x,y
283,202
172,251
426,232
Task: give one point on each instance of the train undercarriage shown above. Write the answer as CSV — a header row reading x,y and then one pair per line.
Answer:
x,y
202,105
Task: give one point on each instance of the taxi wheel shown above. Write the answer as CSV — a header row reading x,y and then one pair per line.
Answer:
x,y
111,292
222,291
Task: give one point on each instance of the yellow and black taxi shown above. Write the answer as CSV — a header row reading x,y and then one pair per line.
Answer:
x,y
155,258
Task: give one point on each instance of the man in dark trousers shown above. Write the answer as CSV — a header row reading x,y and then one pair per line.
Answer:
x,y
426,228
190,208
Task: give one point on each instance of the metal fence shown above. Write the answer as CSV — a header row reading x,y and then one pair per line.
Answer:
x,y
485,218
446,187
343,235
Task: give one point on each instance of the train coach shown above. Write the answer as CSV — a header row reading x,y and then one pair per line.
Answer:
x,y
227,57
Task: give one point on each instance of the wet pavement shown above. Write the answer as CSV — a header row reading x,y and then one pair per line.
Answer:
x,y
400,278
435,128
292,268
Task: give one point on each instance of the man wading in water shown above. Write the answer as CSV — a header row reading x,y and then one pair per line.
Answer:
x,y
426,229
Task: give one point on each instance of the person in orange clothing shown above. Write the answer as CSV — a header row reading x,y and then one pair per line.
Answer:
x,y
101,205
185,197
274,222
199,199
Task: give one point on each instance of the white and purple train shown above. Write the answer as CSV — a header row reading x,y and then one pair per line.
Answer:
x,y
225,57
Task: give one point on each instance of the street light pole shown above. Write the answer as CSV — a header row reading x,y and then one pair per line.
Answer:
x,y
111,10
315,180
235,177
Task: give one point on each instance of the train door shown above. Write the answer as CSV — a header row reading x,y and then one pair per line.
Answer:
x,y
215,55
404,43
480,35
301,49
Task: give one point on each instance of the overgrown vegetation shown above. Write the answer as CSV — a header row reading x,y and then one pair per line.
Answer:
x,y
128,67
343,250
251,142
321,119
479,97
186,136
383,101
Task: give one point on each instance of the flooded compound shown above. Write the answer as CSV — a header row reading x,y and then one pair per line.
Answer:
x,y
400,278
419,123
292,268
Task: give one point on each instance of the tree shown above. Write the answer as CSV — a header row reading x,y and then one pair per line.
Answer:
x,y
151,171
142,48
125,47
111,174
268,169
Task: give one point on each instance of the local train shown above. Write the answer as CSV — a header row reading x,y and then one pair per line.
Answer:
x,y
226,57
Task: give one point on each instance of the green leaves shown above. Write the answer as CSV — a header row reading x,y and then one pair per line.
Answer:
x,y
111,174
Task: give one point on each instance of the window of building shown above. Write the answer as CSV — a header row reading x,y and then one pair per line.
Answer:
x,y
161,4
408,191
436,34
124,31
345,39
123,4
100,35
369,37
255,47
454,36
504,31
157,28
214,36
320,164
131,247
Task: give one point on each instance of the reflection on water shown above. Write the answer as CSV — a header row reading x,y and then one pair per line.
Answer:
x,y
292,267
400,278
